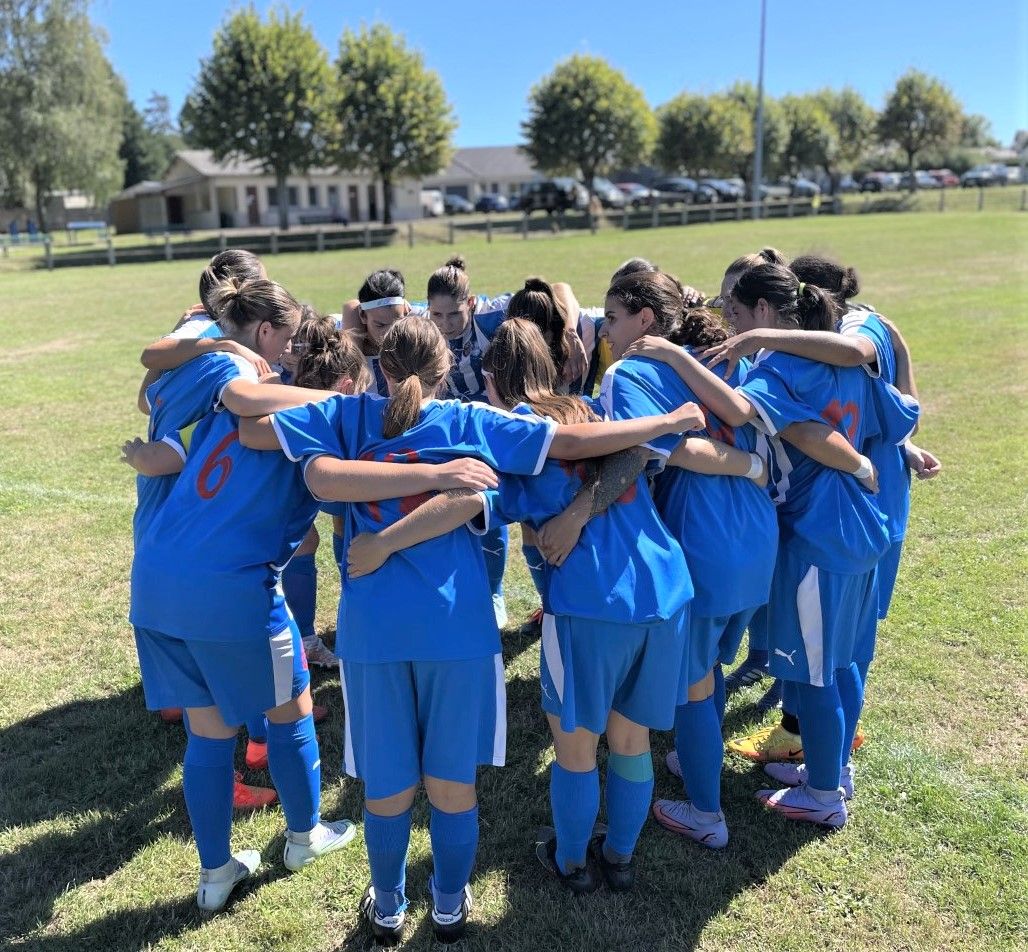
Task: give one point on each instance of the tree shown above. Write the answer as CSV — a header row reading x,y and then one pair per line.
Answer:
x,y
919,113
60,104
854,122
586,118
697,133
148,142
776,131
157,115
263,95
392,116
812,141
976,132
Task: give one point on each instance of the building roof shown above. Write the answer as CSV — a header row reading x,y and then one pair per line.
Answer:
x,y
137,190
487,163
202,161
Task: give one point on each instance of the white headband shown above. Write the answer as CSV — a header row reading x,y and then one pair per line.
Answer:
x,y
381,302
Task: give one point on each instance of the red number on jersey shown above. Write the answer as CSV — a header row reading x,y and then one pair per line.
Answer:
x,y
219,461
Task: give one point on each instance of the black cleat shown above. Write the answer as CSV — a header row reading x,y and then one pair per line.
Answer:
x,y
451,927
619,877
387,930
580,881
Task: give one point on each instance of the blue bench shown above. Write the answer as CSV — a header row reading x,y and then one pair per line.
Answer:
x,y
74,227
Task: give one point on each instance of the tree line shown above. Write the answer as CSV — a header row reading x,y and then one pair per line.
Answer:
x,y
268,93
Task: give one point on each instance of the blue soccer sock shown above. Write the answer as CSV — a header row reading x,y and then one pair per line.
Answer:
x,y
300,584
295,765
387,839
257,729
207,780
720,696
701,751
575,802
494,548
755,658
629,790
851,695
536,566
821,727
454,845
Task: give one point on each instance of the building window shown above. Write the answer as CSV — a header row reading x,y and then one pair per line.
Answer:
x,y
333,196
372,203
312,195
294,196
495,188
272,197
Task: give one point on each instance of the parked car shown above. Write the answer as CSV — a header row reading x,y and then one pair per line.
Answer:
x,y
846,184
457,205
921,179
873,182
982,176
679,189
944,177
802,188
514,201
724,190
635,194
553,195
491,202
432,203
608,193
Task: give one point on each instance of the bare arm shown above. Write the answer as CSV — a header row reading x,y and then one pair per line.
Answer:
x,y
577,363
436,517
827,347
829,448
148,378
151,459
247,399
700,454
343,480
171,352
585,440
352,316
905,382
257,433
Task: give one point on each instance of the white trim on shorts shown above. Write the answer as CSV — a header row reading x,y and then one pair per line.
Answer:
x,y
349,765
808,606
281,648
500,730
551,651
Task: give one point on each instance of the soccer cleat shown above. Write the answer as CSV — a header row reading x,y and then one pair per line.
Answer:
x,y
256,754
302,849
500,611
318,653
770,699
387,930
580,881
450,927
217,884
533,628
171,715
245,797
319,712
674,766
768,744
619,877
743,676
795,775
681,817
858,739
798,803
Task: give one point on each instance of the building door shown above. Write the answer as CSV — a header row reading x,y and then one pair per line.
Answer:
x,y
372,202
253,213
353,197
176,214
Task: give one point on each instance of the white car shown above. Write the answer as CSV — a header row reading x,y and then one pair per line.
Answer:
x,y
432,203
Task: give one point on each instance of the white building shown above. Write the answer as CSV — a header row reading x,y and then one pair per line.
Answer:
x,y
200,193
503,170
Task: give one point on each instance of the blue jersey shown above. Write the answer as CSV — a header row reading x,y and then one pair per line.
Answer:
x,y
178,398
626,566
824,514
889,459
465,380
207,568
590,322
199,326
726,524
429,602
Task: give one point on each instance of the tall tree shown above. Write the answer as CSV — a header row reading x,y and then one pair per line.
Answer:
x,y
854,120
919,113
263,95
148,144
586,118
776,131
392,116
813,141
697,133
60,104
976,132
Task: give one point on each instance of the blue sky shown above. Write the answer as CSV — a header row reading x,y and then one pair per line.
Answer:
x,y
490,53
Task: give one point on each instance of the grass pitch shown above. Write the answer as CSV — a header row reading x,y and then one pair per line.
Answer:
x,y
94,841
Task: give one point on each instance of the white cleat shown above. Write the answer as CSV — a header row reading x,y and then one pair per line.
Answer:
x,y
681,817
302,849
217,884
795,775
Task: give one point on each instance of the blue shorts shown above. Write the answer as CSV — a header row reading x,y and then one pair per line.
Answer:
x,y
714,641
888,568
409,719
589,668
815,619
240,678
758,632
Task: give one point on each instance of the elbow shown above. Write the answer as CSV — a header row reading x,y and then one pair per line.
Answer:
x,y
149,359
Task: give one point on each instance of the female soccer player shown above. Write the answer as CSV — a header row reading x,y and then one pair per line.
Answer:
x,y
832,533
213,631
425,697
380,303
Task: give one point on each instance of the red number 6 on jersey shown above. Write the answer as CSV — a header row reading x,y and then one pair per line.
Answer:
x,y
218,461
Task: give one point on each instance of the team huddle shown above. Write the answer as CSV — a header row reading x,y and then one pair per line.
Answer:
x,y
683,471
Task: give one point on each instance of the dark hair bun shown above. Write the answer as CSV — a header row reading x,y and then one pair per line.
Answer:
x,y
539,285
850,283
456,262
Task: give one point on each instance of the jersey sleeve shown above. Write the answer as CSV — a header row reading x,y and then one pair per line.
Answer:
x,y
866,324
195,328
509,442
178,440
624,396
232,367
485,305
776,405
898,413
311,430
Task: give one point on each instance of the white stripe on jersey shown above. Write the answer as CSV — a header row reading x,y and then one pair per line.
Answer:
x,y
607,403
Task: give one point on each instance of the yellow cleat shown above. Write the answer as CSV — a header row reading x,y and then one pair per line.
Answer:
x,y
768,745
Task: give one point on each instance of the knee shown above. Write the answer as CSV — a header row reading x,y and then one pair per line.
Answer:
x,y
449,795
310,542
626,737
392,806
207,722
292,710
703,688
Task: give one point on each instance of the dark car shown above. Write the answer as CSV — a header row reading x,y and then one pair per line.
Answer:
x,y
552,195
457,205
921,179
803,188
514,202
608,193
491,202
984,175
725,191
635,194
672,190
874,182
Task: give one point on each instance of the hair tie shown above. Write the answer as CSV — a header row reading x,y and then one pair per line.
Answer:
x,y
799,290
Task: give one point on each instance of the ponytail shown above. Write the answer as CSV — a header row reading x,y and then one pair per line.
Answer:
x,y
451,280
537,303
239,305
698,327
404,407
226,265
416,358
797,303
841,282
324,356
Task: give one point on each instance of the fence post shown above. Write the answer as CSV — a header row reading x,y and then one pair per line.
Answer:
x,y
48,248
222,241
655,216
110,251
524,226
320,238
410,234
488,229
790,207
167,247
981,199
625,217
450,223
738,209
3,244
367,235
1024,199
274,242
684,219
713,212
942,199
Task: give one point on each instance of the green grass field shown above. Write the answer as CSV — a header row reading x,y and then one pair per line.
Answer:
x,y
95,850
